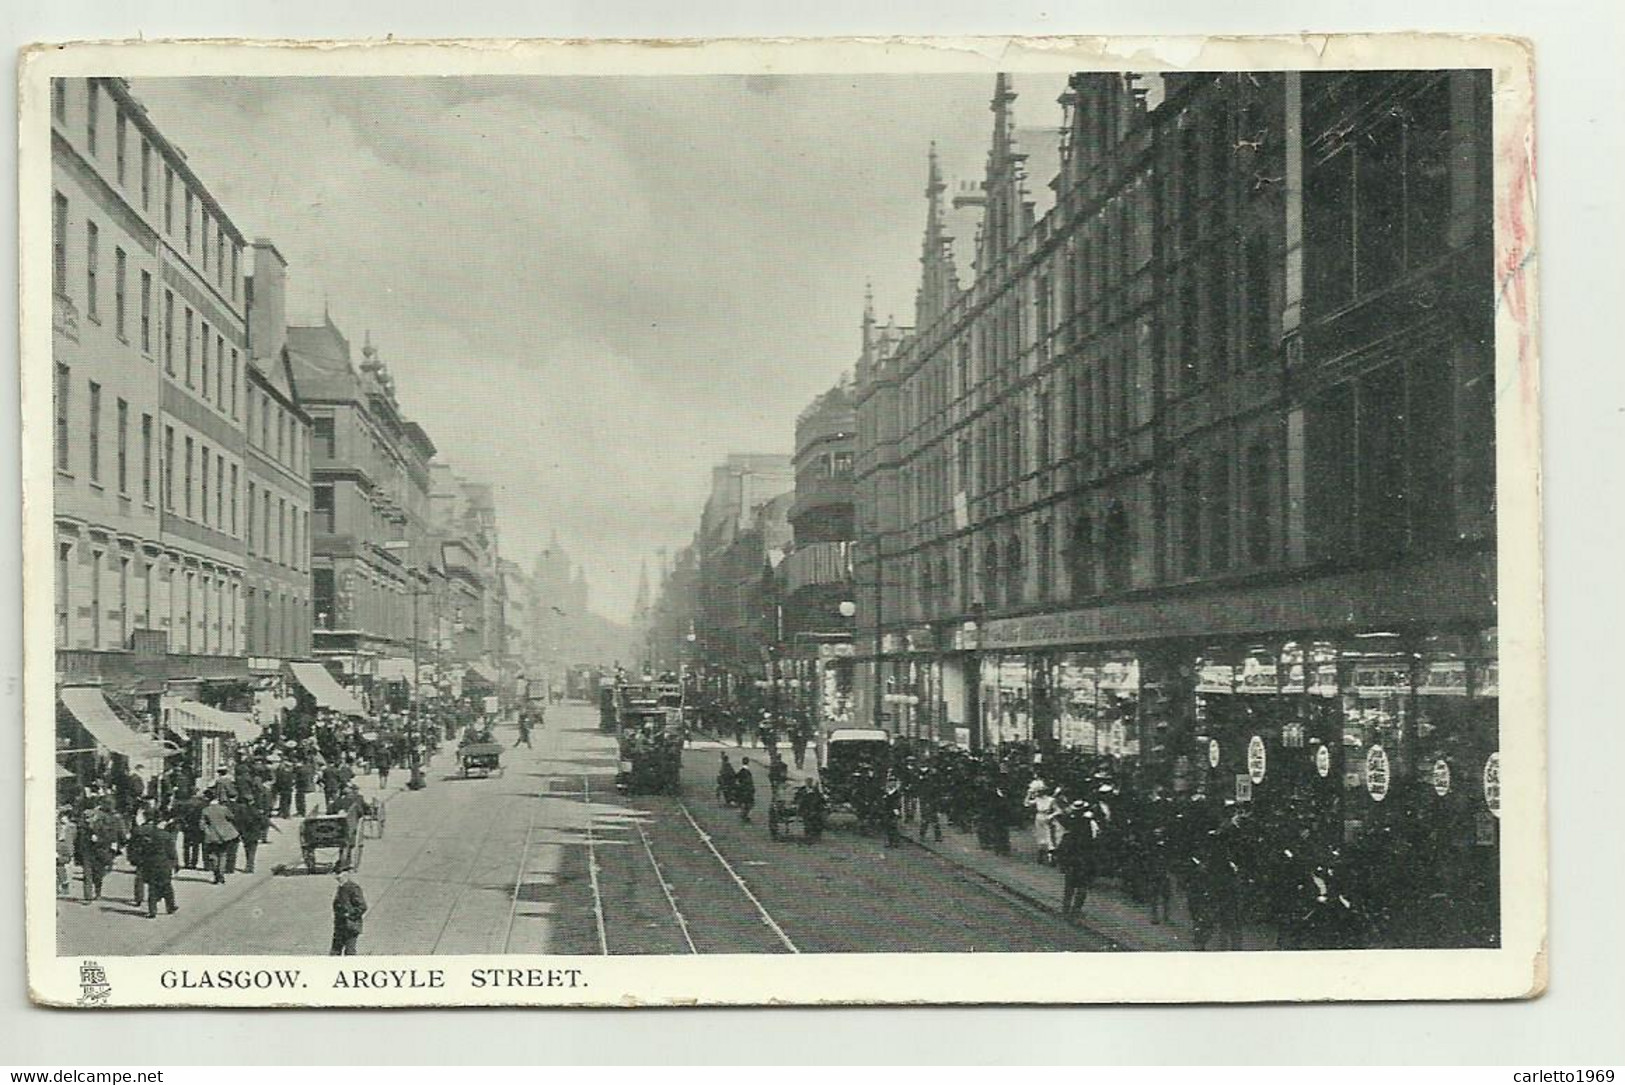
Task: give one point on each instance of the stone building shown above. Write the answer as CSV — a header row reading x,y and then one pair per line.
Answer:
x,y
814,582
276,519
1196,472
149,346
376,577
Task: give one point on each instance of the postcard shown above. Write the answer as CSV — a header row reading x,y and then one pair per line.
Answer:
x,y
797,522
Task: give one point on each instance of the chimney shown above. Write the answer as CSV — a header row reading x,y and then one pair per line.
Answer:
x,y
267,302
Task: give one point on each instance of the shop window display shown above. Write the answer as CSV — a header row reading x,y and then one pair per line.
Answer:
x,y
1006,709
1118,733
1375,673
1076,685
1455,832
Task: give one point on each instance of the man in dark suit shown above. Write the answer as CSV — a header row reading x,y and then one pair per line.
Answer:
x,y
349,905
251,824
282,779
152,851
744,789
101,833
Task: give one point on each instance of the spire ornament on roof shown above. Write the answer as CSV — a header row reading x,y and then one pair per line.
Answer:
x,y
939,279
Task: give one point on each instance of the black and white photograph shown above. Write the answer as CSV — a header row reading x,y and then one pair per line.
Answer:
x,y
541,524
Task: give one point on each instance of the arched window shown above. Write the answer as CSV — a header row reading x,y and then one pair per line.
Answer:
x,y
1014,572
990,574
1260,506
1116,547
1080,556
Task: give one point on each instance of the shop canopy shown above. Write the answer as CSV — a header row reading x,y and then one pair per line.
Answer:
x,y
188,716
91,709
328,693
484,673
391,669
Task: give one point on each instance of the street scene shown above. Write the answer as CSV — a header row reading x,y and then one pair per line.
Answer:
x,y
549,858
507,515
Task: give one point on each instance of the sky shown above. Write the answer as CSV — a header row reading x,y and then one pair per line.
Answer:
x,y
590,290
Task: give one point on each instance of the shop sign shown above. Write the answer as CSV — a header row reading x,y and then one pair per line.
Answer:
x,y
1323,760
1244,787
1119,739
1216,678
1380,678
1325,680
921,639
1492,783
1213,753
1489,680
962,737
891,643
1444,678
1257,759
1258,676
1376,773
1441,777
1120,674
1292,736
835,651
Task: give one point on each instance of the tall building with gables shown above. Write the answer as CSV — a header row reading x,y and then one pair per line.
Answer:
x,y
1196,470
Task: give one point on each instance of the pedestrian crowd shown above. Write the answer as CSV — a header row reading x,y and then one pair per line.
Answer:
x,y
178,820
1277,868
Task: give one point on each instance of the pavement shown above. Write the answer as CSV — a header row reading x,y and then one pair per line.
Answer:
x,y
549,858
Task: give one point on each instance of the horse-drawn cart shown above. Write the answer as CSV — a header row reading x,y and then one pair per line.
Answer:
x,y
340,832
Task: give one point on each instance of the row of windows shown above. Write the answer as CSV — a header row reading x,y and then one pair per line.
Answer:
x,y
1376,206
211,366
103,595
276,432
276,623
208,484
198,608
127,473
278,532
1205,529
202,236
372,606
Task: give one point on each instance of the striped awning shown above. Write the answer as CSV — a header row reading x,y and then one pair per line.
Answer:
x,y
91,709
329,694
188,716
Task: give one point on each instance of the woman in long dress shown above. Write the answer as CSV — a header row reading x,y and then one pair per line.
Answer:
x,y
1041,801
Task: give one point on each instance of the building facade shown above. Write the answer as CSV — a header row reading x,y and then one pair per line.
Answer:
x,y
375,569
1197,471
150,346
277,614
734,624
814,581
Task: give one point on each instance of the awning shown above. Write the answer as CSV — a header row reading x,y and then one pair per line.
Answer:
x,y
391,669
91,709
328,693
188,716
484,672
